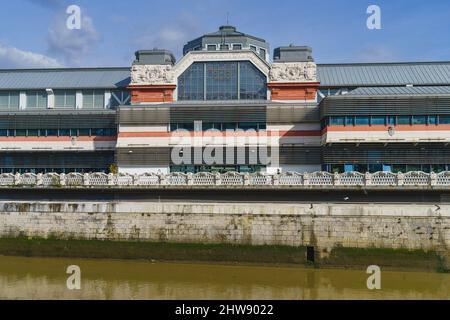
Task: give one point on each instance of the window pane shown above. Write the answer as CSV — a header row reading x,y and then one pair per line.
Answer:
x,y
253,83
88,99
33,133
391,121
37,99
337,121
419,120
221,81
237,46
404,120
191,83
70,99
211,47
378,120
432,120
64,133
350,121
224,47
262,54
444,119
362,120
99,99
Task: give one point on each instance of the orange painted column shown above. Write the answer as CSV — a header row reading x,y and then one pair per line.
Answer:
x,y
151,93
293,91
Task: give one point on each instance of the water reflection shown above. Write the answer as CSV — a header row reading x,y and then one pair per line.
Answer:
x,y
37,278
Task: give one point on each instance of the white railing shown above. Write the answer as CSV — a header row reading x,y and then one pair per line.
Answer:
x,y
288,179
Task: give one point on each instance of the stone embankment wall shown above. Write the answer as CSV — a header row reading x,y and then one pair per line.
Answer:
x,y
324,226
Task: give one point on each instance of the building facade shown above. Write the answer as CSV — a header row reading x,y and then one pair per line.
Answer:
x,y
226,105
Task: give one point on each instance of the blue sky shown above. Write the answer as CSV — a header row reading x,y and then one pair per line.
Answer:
x,y
33,32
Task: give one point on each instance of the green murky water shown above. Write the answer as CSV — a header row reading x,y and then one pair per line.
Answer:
x,y
39,278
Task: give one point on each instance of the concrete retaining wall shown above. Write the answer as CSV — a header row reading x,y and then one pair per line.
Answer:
x,y
323,226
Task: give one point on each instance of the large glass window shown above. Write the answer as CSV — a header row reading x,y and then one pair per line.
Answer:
x,y
253,84
419,120
362,120
9,100
65,99
337,121
403,120
378,120
93,99
36,99
191,83
222,81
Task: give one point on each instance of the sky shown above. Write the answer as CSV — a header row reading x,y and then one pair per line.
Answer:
x,y
33,33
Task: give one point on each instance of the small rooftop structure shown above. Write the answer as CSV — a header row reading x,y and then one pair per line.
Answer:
x,y
154,56
293,54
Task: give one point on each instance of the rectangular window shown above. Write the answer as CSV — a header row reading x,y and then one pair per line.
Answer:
x,y
84,132
3,133
362,121
432,120
403,120
64,132
224,47
65,99
391,120
378,120
211,47
33,133
52,133
262,53
93,99
444,119
237,46
350,121
21,133
419,120
37,99
253,48
337,121
9,100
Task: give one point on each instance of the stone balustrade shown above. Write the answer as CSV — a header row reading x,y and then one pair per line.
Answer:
x,y
205,179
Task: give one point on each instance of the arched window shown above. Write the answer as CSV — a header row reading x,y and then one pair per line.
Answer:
x,y
227,80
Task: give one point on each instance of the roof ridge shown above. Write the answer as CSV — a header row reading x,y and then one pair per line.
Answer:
x,y
381,63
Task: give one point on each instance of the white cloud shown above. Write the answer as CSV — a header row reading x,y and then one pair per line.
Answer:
x,y
11,57
72,45
172,35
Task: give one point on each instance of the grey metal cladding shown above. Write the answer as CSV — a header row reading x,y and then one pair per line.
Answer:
x,y
383,74
21,120
143,156
73,78
373,105
248,113
143,116
292,114
397,153
249,155
69,160
293,155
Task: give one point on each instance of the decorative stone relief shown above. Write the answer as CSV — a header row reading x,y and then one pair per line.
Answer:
x,y
152,74
293,72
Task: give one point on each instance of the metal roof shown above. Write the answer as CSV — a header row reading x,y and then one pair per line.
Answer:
x,y
400,91
384,74
75,78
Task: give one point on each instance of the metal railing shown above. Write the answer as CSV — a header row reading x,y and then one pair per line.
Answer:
x,y
288,179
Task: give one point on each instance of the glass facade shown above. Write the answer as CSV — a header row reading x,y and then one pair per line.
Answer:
x,y
65,99
93,99
386,120
222,81
37,99
9,100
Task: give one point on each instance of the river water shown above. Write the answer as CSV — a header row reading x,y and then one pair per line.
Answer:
x,y
42,278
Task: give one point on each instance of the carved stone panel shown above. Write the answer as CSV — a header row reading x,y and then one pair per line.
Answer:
x,y
293,72
152,74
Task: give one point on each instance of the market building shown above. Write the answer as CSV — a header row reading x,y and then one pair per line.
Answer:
x,y
227,105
